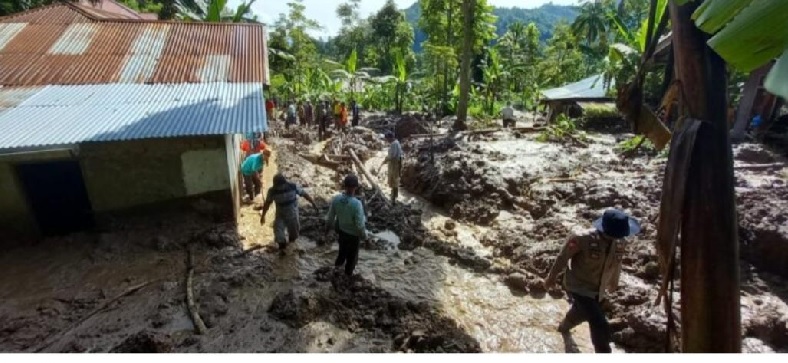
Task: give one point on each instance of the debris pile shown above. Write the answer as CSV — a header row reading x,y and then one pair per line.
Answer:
x,y
363,141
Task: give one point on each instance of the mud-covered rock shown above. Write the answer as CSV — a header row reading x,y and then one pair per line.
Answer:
x,y
217,237
295,307
144,342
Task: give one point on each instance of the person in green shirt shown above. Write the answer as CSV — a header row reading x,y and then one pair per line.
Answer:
x,y
251,168
346,215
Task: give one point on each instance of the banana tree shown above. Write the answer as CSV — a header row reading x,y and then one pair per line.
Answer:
x,y
214,11
401,78
627,64
493,75
748,34
348,74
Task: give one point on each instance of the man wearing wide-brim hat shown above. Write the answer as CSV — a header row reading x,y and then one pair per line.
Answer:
x,y
595,267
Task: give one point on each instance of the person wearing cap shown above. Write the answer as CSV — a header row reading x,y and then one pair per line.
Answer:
x,y
346,216
394,161
285,194
594,260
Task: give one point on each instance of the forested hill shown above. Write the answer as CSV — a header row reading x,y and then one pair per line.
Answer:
x,y
544,17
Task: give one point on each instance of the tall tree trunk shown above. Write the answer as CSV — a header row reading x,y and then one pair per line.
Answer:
x,y
468,7
449,41
710,315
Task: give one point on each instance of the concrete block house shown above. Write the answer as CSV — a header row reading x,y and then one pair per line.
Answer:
x,y
102,116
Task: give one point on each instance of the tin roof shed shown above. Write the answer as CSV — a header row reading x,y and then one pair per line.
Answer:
x,y
65,115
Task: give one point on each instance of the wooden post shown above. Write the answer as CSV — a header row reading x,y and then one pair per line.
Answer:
x,y
710,315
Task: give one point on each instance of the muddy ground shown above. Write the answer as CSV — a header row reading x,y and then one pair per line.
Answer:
x,y
453,267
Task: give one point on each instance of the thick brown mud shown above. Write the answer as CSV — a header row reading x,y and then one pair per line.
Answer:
x,y
454,266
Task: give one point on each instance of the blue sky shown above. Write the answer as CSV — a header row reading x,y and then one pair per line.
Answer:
x,y
324,10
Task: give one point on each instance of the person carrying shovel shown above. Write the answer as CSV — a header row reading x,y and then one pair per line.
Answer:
x,y
285,195
594,260
394,161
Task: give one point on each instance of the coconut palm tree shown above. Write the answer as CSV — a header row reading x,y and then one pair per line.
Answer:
x,y
592,22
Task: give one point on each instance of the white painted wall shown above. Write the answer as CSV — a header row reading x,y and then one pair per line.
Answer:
x,y
204,171
232,145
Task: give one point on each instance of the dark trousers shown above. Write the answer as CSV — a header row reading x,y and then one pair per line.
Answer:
x,y
253,185
588,309
348,252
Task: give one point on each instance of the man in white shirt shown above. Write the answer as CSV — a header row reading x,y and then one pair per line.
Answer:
x,y
394,161
507,114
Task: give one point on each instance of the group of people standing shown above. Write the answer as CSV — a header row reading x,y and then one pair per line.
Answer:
x,y
322,114
590,262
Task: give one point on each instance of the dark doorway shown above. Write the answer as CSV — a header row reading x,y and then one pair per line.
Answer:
x,y
57,195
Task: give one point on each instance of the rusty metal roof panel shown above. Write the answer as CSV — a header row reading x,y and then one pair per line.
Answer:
x,y
131,52
75,40
61,115
58,13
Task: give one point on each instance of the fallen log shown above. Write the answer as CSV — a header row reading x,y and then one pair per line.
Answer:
x,y
250,250
366,173
52,339
199,325
320,160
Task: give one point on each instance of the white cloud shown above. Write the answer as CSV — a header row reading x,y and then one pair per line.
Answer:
x,y
324,11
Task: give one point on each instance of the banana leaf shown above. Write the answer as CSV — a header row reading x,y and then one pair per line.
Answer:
x,y
749,34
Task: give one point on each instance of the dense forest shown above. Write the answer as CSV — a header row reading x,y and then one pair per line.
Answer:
x,y
544,17
410,59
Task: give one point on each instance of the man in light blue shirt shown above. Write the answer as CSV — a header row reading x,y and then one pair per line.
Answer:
x,y
346,215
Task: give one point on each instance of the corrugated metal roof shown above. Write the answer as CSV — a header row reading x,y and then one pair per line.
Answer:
x,y
57,13
61,115
11,97
588,88
132,51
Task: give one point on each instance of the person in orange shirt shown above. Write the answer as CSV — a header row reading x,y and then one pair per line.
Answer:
x,y
269,109
343,117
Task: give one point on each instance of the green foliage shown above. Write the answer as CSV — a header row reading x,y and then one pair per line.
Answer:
x,y
598,110
563,61
543,17
563,129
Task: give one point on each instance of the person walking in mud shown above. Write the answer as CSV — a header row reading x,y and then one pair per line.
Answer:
x,y
594,260
290,119
346,216
507,114
285,195
394,161
309,114
321,120
354,112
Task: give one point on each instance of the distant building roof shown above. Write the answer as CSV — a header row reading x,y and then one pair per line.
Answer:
x,y
131,52
73,44
110,8
63,115
57,13
591,88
